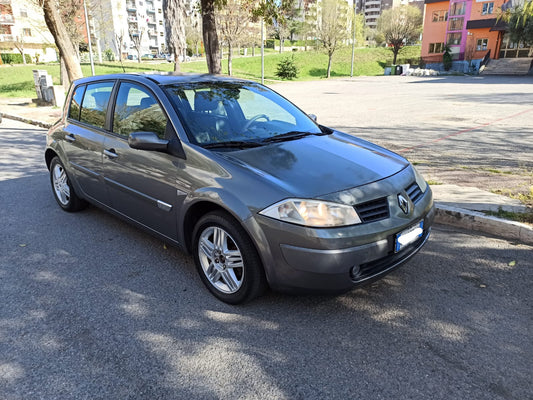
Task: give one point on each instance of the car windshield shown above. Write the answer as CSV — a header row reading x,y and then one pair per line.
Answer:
x,y
235,112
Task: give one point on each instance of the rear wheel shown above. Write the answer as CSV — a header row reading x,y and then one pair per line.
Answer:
x,y
63,190
226,259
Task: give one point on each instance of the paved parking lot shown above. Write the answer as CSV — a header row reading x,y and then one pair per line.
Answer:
x,y
95,309
471,131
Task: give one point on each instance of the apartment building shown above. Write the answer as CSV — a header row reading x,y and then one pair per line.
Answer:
x,y
119,24
22,26
470,27
372,9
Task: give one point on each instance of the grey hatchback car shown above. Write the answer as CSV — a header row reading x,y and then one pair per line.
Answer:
x,y
232,172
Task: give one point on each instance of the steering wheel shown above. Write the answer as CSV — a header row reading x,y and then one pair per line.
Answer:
x,y
253,119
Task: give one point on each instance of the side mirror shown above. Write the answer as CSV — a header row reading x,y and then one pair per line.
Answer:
x,y
312,116
147,141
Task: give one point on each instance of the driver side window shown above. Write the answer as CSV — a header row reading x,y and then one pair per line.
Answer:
x,y
137,110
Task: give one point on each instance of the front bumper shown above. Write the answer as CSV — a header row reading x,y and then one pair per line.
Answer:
x,y
300,259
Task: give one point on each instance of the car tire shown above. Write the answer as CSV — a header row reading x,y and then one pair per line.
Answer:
x,y
226,259
62,188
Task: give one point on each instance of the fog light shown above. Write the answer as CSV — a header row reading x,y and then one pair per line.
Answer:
x,y
355,272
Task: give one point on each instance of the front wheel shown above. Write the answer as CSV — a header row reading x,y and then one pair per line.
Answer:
x,y
63,191
226,259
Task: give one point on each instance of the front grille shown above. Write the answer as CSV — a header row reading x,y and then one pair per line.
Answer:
x,y
414,192
374,210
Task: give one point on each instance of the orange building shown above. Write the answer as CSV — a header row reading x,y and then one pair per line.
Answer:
x,y
469,27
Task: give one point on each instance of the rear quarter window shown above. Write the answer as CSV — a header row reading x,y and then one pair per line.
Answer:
x,y
95,101
75,103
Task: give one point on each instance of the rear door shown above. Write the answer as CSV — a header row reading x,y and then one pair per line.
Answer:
x,y
141,183
84,137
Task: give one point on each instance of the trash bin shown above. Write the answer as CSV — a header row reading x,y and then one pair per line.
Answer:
x,y
398,70
387,70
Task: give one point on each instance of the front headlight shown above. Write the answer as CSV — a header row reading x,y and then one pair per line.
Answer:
x,y
315,213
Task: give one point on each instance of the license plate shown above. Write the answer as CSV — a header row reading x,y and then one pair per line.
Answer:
x,y
408,236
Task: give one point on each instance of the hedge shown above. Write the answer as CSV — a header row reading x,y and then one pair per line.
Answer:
x,y
15,58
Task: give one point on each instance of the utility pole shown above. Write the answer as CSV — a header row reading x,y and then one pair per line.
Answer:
x,y
262,51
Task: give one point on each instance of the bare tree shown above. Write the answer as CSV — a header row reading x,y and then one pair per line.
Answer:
x,y
136,36
119,43
64,43
19,45
193,33
333,27
211,43
232,22
174,12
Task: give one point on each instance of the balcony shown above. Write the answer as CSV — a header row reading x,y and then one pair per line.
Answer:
x,y
5,1
132,19
7,38
373,3
372,9
152,33
7,19
131,6
150,10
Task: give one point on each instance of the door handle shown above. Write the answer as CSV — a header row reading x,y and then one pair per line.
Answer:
x,y
70,137
110,153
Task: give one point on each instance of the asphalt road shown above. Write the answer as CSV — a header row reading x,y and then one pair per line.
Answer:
x,y
92,308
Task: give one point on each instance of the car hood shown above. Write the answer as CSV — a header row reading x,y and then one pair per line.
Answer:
x,y
317,165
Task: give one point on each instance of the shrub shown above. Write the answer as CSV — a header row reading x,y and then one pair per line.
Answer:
x,y
15,58
286,68
109,55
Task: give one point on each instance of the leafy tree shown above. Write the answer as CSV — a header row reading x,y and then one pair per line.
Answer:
x,y
174,13
520,23
333,27
400,25
286,68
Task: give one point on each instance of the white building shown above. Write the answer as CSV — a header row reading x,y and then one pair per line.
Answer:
x,y
117,24
22,26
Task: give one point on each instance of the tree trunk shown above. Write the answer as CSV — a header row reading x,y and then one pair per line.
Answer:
x,y
230,56
176,63
330,56
395,52
209,31
67,52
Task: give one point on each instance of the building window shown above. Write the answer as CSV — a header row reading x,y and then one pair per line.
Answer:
x,y
26,32
455,24
160,22
159,11
454,38
436,48
458,8
487,8
160,33
439,16
23,13
482,44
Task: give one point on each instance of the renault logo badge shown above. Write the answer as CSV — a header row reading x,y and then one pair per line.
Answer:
x,y
403,203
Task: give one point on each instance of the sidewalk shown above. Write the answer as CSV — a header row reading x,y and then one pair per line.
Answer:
x,y
458,206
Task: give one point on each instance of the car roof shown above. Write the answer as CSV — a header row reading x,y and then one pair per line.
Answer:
x,y
165,78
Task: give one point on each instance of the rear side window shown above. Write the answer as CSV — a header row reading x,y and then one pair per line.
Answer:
x,y
94,106
75,104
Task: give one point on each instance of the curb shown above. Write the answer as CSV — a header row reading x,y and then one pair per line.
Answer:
x,y
41,124
476,221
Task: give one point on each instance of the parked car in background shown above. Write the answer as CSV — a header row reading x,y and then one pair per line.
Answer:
x,y
232,172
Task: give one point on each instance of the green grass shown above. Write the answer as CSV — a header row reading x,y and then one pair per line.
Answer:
x,y
512,216
17,81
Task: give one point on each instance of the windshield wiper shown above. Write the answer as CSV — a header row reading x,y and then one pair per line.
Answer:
x,y
292,135
242,144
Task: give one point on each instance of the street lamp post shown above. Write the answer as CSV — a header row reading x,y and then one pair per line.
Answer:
x,y
89,38
353,38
